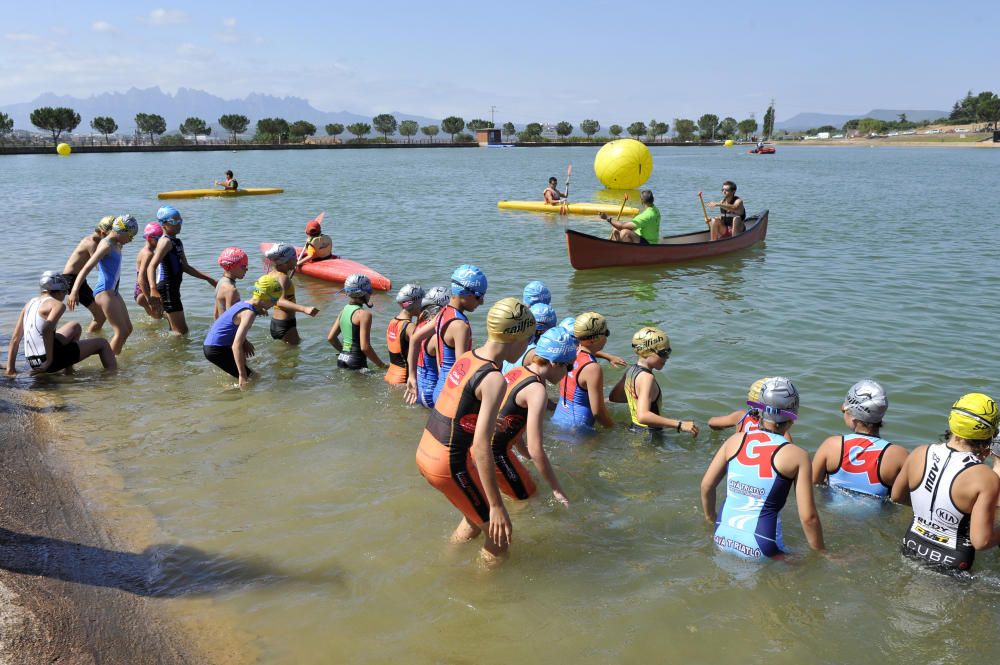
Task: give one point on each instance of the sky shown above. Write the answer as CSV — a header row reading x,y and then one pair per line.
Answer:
x,y
533,61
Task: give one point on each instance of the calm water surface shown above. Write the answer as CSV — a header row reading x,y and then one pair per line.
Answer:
x,y
878,263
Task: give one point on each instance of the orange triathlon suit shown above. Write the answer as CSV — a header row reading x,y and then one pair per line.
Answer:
x,y
399,346
513,479
443,455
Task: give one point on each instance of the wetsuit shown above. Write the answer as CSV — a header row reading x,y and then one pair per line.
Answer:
x,y
513,479
351,357
573,407
443,455
218,345
64,354
860,461
399,347
632,395
939,533
445,353
749,523
109,270
168,281
280,327
427,372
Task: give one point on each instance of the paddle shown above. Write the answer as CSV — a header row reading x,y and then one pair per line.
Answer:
x,y
704,210
622,209
319,220
563,210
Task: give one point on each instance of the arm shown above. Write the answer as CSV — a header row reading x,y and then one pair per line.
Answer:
x,y
15,341
141,275
461,337
246,318
365,328
334,335
491,391
536,402
826,453
285,303
616,361
617,394
195,272
713,476
804,499
722,422
74,294
901,487
592,378
616,224
644,384
163,246
412,356
982,531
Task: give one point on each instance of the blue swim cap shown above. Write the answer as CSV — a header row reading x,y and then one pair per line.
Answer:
x,y
567,324
169,214
468,280
557,346
545,316
536,292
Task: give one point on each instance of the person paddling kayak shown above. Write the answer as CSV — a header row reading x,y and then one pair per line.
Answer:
x,y
229,184
552,195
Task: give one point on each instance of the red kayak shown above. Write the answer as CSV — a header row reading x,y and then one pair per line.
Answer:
x,y
766,150
338,269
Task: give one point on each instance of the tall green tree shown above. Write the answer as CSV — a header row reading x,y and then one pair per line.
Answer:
x,y
6,125
452,125
235,124
272,129
430,131
195,127
769,121
564,129
727,128
408,128
334,129
151,124
533,129
590,127
685,129
747,127
476,124
615,130
385,123
988,108
868,126
301,129
359,129
707,125
104,125
509,129
56,120
657,129
637,129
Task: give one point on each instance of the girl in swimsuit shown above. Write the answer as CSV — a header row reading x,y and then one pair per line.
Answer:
x,y
234,263
152,234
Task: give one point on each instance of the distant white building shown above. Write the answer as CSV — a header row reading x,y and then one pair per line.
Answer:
x,y
549,132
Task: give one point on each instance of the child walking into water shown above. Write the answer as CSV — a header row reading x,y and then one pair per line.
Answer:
x,y
151,234
234,263
355,324
397,335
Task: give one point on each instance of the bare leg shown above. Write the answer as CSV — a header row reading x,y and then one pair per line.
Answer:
x,y
70,332
99,317
178,324
614,236
117,313
715,231
143,302
465,531
628,235
292,337
100,346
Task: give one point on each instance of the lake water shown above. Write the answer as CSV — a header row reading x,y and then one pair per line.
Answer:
x,y
879,262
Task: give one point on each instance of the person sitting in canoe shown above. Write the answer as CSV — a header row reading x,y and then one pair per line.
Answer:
x,y
552,195
319,246
730,222
643,229
229,184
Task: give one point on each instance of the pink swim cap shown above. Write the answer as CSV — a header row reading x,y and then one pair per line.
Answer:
x,y
232,257
152,230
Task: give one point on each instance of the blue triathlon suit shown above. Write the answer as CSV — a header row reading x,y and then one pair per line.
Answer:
x,y
109,270
573,406
446,354
860,460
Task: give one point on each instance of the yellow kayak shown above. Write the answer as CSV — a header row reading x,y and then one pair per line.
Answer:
x,y
197,193
571,208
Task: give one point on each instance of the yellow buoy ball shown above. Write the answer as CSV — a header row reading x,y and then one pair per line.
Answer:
x,y
623,164
728,143
64,149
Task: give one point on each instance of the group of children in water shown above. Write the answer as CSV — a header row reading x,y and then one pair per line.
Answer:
x,y
488,404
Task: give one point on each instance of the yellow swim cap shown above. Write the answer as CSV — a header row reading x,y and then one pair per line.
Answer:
x,y
267,288
974,417
650,340
754,394
590,325
105,224
509,320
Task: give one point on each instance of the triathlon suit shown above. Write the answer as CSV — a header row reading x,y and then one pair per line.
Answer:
x,y
573,407
399,346
64,354
427,372
446,354
860,461
750,422
280,327
443,454
218,345
749,523
520,361
168,281
632,395
939,533
109,270
351,357
513,479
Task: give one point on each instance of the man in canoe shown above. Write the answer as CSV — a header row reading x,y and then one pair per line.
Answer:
x,y
643,229
229,184
730,222
552,195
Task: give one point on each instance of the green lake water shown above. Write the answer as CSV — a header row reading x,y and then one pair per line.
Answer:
x,y
878,262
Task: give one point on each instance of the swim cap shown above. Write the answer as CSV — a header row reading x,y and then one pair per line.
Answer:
x,y
436,297
509,320
280,252
754,393
649,341
590,325
53,281
567,324
995,446
557,346
233,257
536,292
410,294
125,224
169,214
267,288
545,316
866,401
974,417
152,230
357,286
313,228
105,224
779,400
468,280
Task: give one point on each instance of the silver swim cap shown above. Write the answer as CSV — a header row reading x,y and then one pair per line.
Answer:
x,y
410,293
995,446
280,252
357,286
438,296
779,400
866,401
53,281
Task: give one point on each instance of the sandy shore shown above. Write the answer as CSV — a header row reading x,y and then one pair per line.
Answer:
x,y
74,588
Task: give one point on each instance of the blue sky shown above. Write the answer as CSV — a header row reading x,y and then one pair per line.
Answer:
x,y
534,61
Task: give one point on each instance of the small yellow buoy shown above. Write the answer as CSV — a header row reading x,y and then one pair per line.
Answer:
x,y
63,149
623,164
728,143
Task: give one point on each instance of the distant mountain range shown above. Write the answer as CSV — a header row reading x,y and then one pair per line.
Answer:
x,y
123,106
804,121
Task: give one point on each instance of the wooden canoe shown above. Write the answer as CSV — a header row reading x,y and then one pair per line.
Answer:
x,y
587,251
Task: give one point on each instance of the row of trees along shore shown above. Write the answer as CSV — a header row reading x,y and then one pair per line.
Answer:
x,y
973,108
